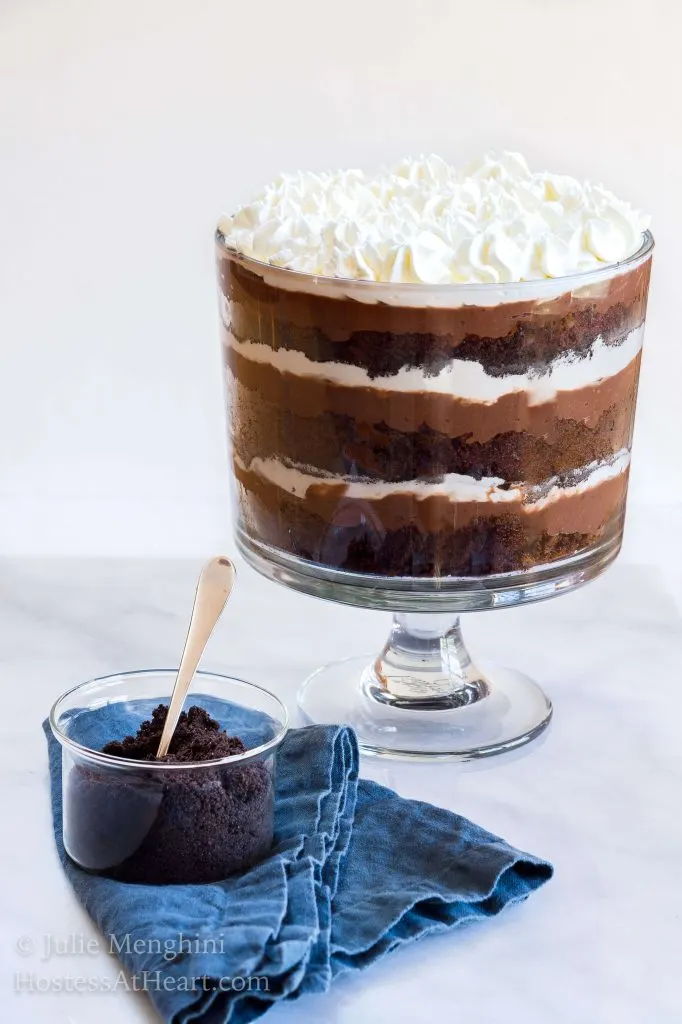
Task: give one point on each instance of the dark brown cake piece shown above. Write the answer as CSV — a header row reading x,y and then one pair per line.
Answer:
x,y
197,737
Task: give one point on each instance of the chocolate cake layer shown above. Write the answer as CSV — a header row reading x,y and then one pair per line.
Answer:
x,y
339,445
410,412
382,339
402,535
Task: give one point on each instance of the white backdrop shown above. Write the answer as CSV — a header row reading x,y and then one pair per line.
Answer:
x,y
128,127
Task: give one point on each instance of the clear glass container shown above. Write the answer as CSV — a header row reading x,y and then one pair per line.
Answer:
x,y
166,822
430,450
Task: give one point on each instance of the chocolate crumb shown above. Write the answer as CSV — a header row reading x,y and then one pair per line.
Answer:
x,y
190,825
197,737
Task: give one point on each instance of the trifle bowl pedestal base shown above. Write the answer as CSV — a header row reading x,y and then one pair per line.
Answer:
x,y
423,697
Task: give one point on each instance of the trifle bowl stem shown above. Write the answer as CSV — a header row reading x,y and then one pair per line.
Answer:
x,y
424,697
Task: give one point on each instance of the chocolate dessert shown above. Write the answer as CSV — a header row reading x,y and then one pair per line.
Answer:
x,y
432,373
188,826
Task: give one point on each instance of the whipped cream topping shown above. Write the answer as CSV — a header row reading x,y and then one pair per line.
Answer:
x,y
425,221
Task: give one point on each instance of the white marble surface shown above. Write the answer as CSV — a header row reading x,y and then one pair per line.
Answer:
x,y
600,797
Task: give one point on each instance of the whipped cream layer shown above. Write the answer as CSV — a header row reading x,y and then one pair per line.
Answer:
x,y
460,378
457,488
425,221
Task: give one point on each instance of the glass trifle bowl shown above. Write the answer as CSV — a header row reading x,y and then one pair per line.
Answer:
x,y
430,450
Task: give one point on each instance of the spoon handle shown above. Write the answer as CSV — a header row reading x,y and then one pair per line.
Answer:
x,y
213,589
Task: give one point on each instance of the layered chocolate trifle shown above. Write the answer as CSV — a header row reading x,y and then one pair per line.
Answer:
x,y
432,372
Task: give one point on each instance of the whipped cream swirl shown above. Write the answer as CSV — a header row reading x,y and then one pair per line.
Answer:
x,y
424,221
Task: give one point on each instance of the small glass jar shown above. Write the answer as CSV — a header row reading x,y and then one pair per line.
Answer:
x,y
158,822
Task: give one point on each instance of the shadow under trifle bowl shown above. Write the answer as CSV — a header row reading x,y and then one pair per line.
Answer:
x,y
430,450
166,821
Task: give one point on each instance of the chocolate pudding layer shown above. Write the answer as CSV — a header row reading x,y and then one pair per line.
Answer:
x,y
313,424
512,338
364,528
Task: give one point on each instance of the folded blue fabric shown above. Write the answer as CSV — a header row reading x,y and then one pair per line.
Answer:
x,y
356,871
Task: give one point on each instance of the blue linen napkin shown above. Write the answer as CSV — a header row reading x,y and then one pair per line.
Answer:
x,y
356,871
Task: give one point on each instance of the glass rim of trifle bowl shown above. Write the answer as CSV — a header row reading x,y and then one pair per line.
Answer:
x,y
99,757
541,287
